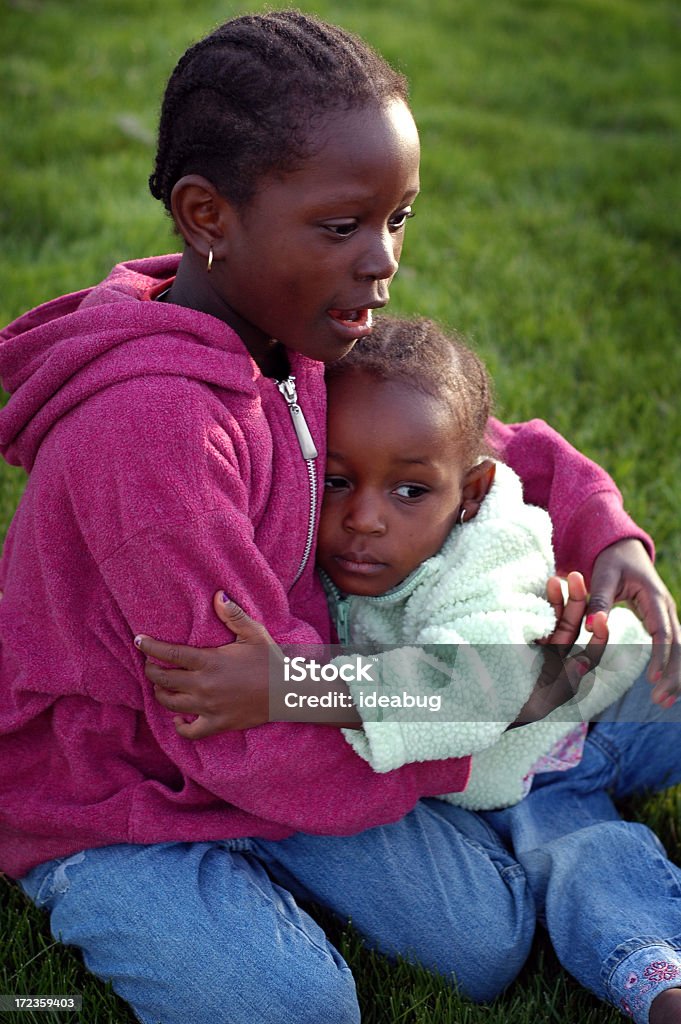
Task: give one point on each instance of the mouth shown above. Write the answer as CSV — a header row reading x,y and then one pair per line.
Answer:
x,y
352,317
362,565
355,323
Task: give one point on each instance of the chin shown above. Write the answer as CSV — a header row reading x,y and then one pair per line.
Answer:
x,y
363,588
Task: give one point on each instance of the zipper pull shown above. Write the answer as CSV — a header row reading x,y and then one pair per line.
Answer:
x,y
342,610
307,446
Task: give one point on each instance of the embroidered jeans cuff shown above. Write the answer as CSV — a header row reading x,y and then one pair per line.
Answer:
x,y
641,976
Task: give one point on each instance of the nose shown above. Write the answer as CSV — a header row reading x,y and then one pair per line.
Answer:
x,y
380,259
364,514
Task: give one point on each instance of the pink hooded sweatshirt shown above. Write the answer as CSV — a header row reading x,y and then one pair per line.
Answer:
x,y
163,466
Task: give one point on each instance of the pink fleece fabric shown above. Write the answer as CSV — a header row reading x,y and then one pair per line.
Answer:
x,y
163,466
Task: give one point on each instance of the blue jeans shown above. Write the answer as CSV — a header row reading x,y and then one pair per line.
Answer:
x,y
604,888
213,932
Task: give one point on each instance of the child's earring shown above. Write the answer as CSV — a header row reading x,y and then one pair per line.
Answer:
x,y
209,265
462,516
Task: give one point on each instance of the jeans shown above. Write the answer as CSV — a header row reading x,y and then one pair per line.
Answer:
x,y
211,932
192,933
603,887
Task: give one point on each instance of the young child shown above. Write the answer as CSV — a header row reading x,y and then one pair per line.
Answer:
x,y
172,421
425,541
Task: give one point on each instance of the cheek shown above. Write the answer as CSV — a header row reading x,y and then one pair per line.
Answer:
x,y
429,537
398,242
329,522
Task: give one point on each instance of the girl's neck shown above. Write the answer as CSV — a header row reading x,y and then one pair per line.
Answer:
x,y
192,288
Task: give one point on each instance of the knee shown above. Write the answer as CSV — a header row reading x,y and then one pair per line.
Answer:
x,y
491,967
504,936
487,944
331,998
319,990
293,1003
316,990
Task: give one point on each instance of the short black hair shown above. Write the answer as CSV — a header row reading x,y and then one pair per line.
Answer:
x,y
241,102
420,353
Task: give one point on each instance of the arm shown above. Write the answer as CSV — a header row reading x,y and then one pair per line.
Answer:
x,y
202,684
595,536
583,502
504,602
192,531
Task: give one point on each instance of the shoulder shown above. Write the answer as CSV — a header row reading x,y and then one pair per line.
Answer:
x,y
141,418
143,454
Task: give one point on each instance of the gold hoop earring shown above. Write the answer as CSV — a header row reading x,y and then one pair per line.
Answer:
x,y
210,260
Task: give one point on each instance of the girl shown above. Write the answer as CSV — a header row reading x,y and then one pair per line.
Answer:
x,y
159,415
462,559
423,541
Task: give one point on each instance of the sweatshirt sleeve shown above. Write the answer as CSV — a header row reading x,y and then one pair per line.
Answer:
x,y
583,502
190,537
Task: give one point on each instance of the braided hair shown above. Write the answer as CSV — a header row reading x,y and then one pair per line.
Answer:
x,y
421,354
242,103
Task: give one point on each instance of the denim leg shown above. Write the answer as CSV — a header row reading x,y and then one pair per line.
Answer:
x,y
643,741
605,889
195,933
437,888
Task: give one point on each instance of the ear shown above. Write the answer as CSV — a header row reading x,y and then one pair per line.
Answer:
x,y
201,214
476,483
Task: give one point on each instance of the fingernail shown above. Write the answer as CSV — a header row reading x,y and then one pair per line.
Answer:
x,y
583,666
138,640
589,621
656,676
670,702
225,598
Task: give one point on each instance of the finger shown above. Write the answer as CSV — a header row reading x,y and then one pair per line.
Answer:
x,y
577,591
173,654
605,581
182,703
245,629
600,631
591,655
579,666
570,620
554,595
665,663
556,665
658,619
667,691
195,730
176,679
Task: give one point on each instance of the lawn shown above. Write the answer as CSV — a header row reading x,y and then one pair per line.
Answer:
x,y
548,230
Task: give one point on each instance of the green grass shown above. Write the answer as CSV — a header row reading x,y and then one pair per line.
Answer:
x,y
548,230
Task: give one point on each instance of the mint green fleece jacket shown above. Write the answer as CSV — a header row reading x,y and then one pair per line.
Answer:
x,y
464,627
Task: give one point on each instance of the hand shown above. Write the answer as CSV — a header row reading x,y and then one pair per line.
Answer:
x,y
226,687
562,675
624,572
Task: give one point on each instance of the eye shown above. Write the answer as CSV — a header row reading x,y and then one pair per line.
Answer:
x,y
399,219
342,228
410,491
335,483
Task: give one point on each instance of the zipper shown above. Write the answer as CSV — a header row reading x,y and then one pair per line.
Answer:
x,y
309,452
340,609
342,614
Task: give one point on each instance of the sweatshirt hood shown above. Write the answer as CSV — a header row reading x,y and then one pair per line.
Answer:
x,y
53,358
